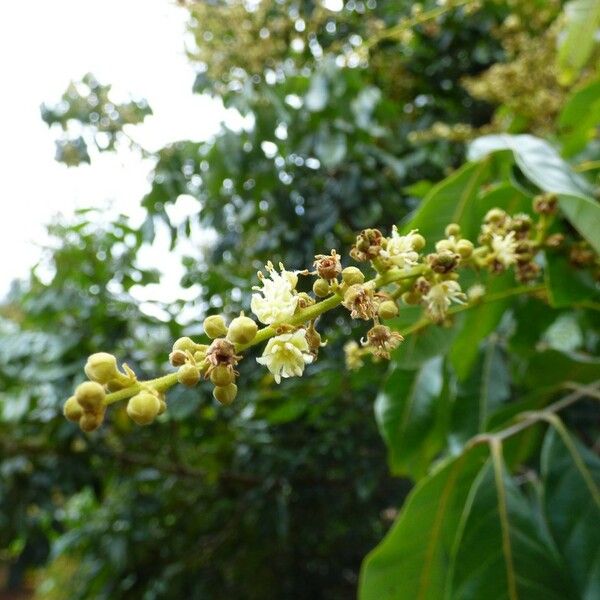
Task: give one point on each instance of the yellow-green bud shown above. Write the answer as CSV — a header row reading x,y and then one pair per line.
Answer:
x,y
387,309
445,246
214,326
143,408
222,375
418,242
163,406
101,367
91,421
494,215
90,396
464,248
321,288
225,395
353,276
185,344
72,409
452,229
242,330
188,375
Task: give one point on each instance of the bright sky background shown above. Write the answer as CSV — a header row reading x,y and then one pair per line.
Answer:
x,y
137,45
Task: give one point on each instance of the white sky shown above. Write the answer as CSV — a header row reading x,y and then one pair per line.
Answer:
x,y
137,45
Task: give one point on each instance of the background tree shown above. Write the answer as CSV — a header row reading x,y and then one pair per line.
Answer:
x,y
351,118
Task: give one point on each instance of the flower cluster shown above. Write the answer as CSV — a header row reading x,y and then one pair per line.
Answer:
x,y
403,273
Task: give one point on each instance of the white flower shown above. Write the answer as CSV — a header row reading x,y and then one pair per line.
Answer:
x,y
400,249
286,355
505,248
276,301
440,296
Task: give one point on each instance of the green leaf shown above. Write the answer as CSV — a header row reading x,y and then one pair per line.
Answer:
x,y
582,23
477,324
566,284
579,118
450,201
500,552
409,411
412,561
551,368
482,394
542,165
572,500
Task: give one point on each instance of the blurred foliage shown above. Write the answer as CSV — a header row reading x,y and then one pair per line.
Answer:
x,y
283,493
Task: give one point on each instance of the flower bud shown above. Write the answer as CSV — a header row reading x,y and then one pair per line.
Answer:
x,y
185,344
101,367
452,229
242,330
464,248
495,215
321,288
143,408
304,301
225,395
177,358
72,409
214,326
387,310
222,375
90,396
91,421
418,242
188,375
162,406
411,298
352,276
445,246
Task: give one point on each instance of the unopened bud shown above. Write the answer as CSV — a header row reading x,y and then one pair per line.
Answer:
x,y
90,396
222,375
225,395
143,408
321,288
188,375
445,246
452,229
495,215
214,326
72,409
91,421
101,367
387,310
352,276
464,248
411,298
185,344
418,242
242,330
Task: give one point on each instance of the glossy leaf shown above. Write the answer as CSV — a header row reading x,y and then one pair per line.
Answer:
x,y
408,411
571,476
567,285
412,562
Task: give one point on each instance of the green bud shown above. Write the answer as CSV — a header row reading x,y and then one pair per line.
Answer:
x,y
445,246
143,408
188,375
353,276
101,367
91,421
418,242
452,229
214,326
90,396
162,407
185,344
242,330
72,409
494,215
321,288
411,298
387,309
225,395
222,375
464,248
